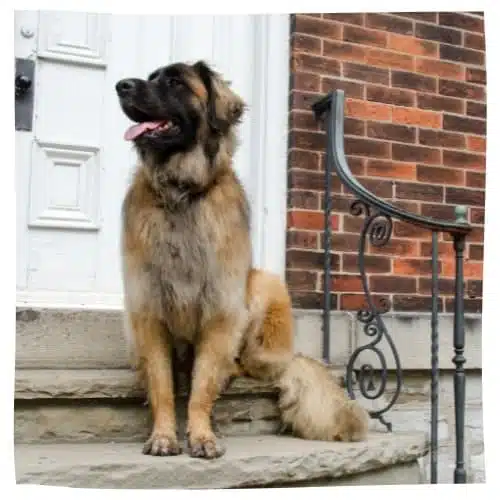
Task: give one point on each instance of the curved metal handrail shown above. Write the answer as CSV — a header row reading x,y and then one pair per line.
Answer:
x,y
334,103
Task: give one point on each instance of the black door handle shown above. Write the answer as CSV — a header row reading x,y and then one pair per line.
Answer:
x,y
23,84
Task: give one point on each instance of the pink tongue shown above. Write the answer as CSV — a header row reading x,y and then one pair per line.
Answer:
x,y
139,129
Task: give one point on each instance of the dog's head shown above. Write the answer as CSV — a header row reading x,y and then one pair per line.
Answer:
x,y
178,107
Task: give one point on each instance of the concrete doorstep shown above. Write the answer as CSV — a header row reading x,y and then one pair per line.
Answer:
x,y
253,461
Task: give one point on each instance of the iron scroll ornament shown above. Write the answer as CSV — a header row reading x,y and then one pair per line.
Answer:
x,y
377,230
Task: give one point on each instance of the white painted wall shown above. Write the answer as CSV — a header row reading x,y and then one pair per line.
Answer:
x,y
73,169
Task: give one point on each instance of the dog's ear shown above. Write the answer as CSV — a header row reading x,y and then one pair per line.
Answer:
x,y
225,107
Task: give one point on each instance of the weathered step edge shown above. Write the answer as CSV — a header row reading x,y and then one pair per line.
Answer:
x,y
249,462
98,383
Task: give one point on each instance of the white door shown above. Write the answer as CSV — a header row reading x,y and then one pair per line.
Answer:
x,y
72,169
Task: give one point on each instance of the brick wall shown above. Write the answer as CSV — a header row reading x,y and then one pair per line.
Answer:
x,y
415,129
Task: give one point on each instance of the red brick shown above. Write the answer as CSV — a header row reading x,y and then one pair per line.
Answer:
x,y
429,17
462,55
414,303
439,138
398,97
379,187
476,180
462,196
301,280
416,117
477,215
445,249
302,100
306,81
392,170
438,33
373,263
364,36
366,147
462,159
411,267
470,305
310,180
445,286
302,239
307,219
463,90
476,252
413,81
367,110
365,73
308,200
477,144
318,27
305,259
351,18
354,90
303,139
476,75
438,175
346,283
303,120
471,269
474,41
306,43
397,246
298,158
356,302
438,103
411,45
439,68
477,109
406,230
443,212
342,50
311,300
393,284
417,191
416,154
343,242
315,64
462,124
461,21
389,23
386,58
391,132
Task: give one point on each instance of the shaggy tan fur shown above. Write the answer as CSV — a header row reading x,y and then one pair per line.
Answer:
x,y
314,406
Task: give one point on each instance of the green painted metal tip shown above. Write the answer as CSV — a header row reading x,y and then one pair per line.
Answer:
x,y
461,214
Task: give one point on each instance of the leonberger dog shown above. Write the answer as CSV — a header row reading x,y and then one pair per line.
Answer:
x,y
186,255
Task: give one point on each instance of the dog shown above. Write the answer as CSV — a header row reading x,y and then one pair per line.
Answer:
x,y
186,255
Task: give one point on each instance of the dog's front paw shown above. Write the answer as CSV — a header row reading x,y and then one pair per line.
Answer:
x,y
161,445
205,446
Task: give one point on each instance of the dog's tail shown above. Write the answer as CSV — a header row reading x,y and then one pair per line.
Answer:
x,y
314,405
353,421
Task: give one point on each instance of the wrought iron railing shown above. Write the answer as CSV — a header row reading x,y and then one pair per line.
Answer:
x,y
377,230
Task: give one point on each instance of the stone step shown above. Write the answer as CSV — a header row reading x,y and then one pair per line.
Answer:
x,y
105,405
64,338
263,461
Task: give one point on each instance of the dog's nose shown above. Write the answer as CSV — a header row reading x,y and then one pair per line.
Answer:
x,y
124,87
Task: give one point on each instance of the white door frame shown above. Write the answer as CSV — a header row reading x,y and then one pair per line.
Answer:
x,y
269,156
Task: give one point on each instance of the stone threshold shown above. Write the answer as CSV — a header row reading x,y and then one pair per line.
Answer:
x,y
253,461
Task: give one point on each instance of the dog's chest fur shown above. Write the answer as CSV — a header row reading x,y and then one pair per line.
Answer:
x,y
189,271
